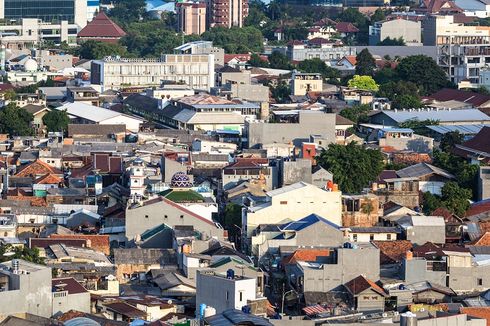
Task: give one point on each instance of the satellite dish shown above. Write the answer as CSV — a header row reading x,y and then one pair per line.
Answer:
x,y
169,301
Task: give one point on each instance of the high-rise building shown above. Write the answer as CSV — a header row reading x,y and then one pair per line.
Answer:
x,y
48,11
191,17
226,13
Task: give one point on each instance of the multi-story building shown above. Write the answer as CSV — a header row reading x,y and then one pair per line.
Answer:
x,y
462,51
27,22
226,13
191,17
409,31
196,71
202,47
302,83
317,48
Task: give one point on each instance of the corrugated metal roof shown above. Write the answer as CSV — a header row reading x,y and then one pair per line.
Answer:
x,y
440,115
462,129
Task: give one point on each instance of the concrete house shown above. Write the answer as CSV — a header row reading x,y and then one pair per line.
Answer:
x,y
422,229
366,295
431,178
409,31
143,216
291,203
312,230
331,268
68,295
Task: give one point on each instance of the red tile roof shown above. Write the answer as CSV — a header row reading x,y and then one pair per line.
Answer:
x,y
478,208
97,242
448,94
346,27
37,168
67,284
351,58
484,240
361,284
101,27
478,312
392,252
307,255
240,57
46,242
48,178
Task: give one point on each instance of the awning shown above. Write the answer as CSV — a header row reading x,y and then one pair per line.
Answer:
x,y
314,310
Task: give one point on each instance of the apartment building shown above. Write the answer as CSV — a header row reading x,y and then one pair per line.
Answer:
x,y
316,48
409,31
226,13
462,51
191,17
196,71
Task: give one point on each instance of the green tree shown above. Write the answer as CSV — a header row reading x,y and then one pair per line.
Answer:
x,y
317,65
256,14
7,252
92,49
378,15
235,39
10,95
150,38
232,220
357,113
431,202
406,101
351,160
464,172
392,41
392,89
256,61
424,72
277,60
281,92
128,11
365,63
15,121
418,126
450,139
56,120
354,16
364,83
455,198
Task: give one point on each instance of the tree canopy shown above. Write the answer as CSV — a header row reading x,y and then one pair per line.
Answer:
x,y
363,82
235,39
365,63
128,11
424,72
357,113
92,49
56,120
15,121
353,166
392,41
25,253
317,65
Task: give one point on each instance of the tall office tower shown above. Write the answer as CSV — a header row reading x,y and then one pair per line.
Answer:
x,y
191,17
226,13
48,11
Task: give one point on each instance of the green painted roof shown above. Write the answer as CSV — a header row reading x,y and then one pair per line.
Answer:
x,y
151,232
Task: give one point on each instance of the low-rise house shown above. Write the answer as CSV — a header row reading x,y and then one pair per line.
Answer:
x,y
444,117
426,292
249,169
292,203
104,132
404,191
173,284
136,261
400,139
366,295
360,210
423,229
374,233
312,230
224,291
38,112
430,178
68,295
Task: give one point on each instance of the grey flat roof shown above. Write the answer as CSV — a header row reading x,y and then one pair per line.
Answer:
x,y
440,115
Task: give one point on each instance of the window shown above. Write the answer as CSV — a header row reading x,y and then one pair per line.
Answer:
x,y
354,237
146,216
181,216
166,216
55,221
479,281
227,296
241,296
5,234
371,237
388,237
283,202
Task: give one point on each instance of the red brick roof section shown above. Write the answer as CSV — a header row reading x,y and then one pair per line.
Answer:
x,y
307,255
67,284
97,242
361,284
392,252
102,27
37,168
478,312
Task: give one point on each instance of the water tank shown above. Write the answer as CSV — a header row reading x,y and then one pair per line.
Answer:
x,y
15,265
247,309
209,311
186,249
348,245
30,65
202,308
230,274
408,319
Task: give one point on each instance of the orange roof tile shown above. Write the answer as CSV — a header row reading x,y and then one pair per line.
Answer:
x,y
478,312
48,178
361,284
484,240
308,255
391,252
37,168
